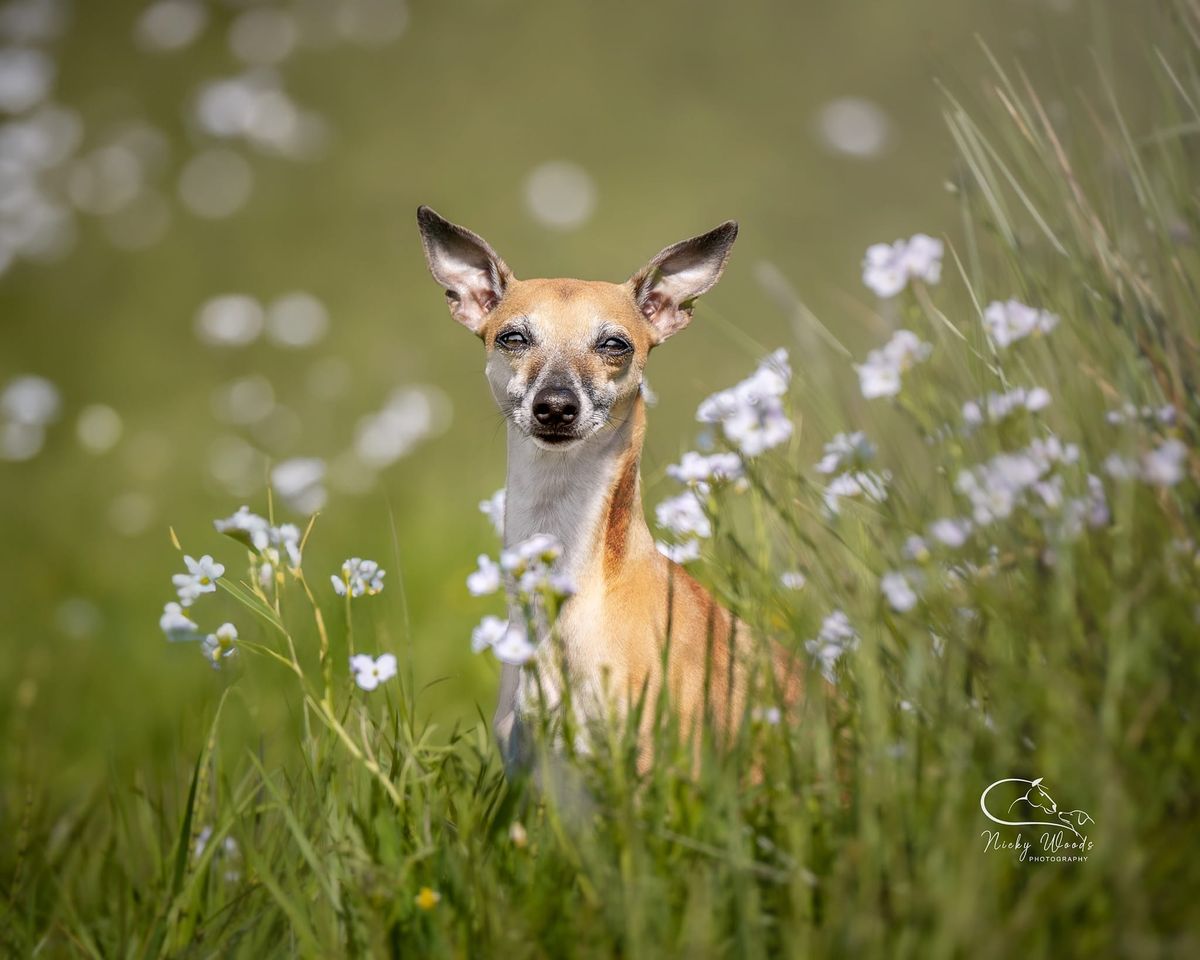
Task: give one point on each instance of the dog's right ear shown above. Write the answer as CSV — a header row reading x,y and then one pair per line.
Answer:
x,y
469,270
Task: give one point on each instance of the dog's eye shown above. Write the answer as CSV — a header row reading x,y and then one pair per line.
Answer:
x,y
512,340
614,346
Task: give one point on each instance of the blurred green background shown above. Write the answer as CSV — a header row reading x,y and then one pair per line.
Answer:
x,y
579,138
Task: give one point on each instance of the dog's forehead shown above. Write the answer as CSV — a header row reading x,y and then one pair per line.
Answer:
x,y
570,308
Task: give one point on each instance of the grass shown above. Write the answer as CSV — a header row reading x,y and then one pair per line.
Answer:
x,y
341,823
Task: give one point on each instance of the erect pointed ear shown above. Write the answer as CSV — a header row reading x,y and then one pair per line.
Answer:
x,y
469,270
665,288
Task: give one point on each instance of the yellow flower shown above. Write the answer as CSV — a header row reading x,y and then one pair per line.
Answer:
x,y
428,898
517,834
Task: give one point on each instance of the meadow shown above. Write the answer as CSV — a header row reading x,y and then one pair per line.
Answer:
x,y
966,494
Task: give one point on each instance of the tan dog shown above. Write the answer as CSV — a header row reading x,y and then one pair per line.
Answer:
x,y
565,361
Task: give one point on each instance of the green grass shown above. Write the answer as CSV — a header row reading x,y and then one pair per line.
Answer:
x,y
1030,653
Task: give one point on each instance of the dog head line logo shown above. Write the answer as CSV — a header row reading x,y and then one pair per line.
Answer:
x,y
1027,803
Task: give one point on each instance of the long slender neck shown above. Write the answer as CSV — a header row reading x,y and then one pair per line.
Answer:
x,y
587,497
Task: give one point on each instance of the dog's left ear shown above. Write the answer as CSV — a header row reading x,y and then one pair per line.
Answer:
x,y
667,286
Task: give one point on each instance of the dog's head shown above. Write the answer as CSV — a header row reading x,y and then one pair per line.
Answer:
x,y
563,355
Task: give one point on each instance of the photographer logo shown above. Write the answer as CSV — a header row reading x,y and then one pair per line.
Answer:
x,y
1055,835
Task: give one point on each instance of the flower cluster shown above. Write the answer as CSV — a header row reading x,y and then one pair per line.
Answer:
x,y
999,486
889,267
275,546
1009,321
836,637
880,375
846,450
1128,413
751,414
533,570
358,578
700,470
1164,466
868,484
996,407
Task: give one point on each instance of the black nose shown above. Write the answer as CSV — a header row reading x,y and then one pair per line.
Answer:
x,y
555,407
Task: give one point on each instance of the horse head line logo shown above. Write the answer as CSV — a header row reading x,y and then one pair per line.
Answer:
x,y
1037,798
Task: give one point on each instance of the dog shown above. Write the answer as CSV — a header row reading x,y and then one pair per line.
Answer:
x,y
565,361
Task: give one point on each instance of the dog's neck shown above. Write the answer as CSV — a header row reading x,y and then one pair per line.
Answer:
x,y
587,497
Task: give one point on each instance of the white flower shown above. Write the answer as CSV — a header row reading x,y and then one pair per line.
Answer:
x,y
286,536
837,637
880,375
257,533
514,647
1164,466
916,549
358,577
177,625
370,672
1009,321
493,509
888,268
998,406
486,579
217,646
681,553
950,532
30,400
865,483
792,580
300,483
683,515
533,564
489,632
697,469
768,715
922,258
246,527
751,413
899,593
201,578
846,449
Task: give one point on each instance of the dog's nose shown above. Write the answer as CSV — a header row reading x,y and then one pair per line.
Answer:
x,y
555,407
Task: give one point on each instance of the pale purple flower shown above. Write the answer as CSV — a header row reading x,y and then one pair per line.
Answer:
x,y
792,580
888,268
1009,321
836,638
683,515
698,469
862,483
950,532
844,450
880,376
751,414
899,592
